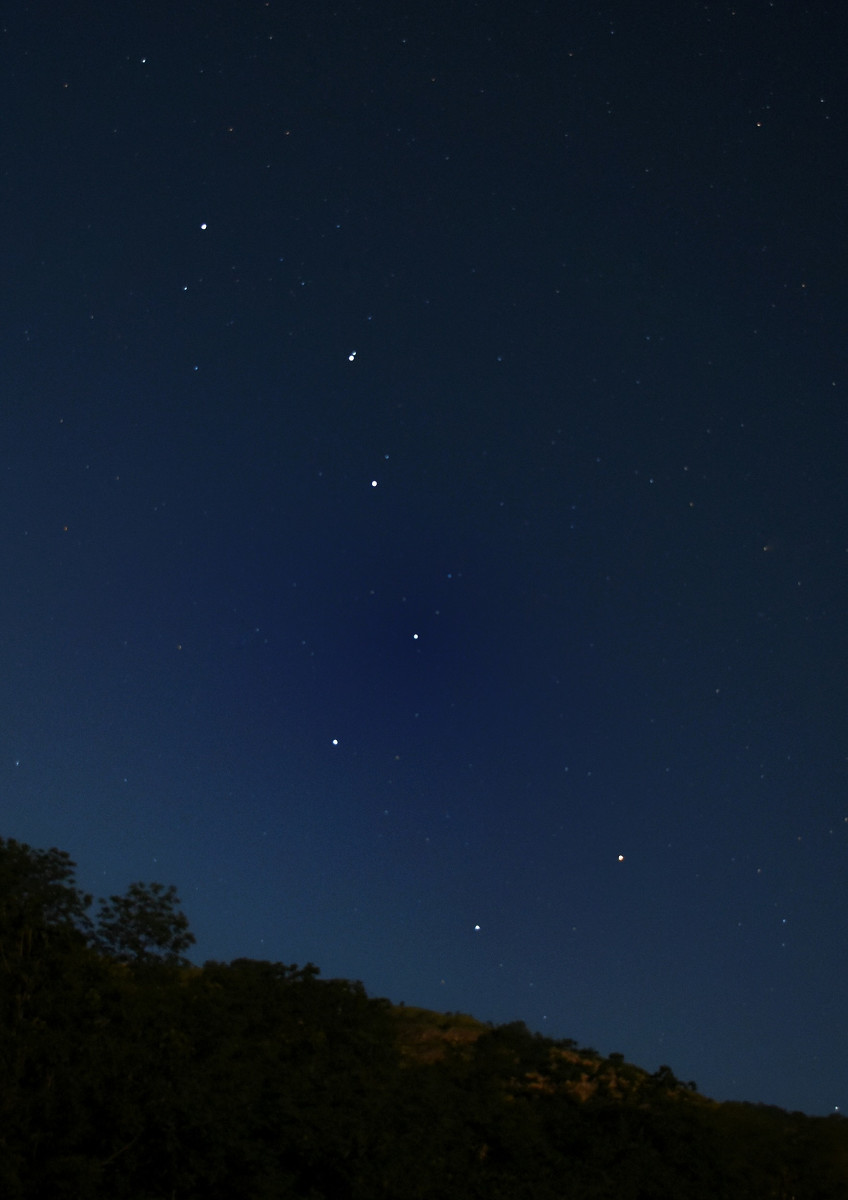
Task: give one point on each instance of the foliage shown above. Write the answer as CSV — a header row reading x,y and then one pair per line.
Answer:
x,y
37,891
126,1074
144,926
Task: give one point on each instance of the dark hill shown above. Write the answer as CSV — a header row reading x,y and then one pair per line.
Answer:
x,y
126,1074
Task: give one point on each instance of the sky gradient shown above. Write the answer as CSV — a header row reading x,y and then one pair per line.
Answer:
x,y
423,451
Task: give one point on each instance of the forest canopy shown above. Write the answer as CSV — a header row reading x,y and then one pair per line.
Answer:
x,y
129,1074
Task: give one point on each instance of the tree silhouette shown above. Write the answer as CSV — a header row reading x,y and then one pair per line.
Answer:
x,y
38,889
145,925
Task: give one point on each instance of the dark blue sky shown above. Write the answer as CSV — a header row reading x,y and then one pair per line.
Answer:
x,y
423,450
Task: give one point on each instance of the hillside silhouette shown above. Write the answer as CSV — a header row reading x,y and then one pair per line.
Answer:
x,y
128,1073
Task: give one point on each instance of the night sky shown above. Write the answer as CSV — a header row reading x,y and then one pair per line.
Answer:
x,y
423,455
